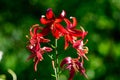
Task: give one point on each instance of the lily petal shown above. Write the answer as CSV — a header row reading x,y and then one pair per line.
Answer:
x,y
35,64
66,60
68,39
49,14
55,33
74,22
61,17
66,42
72,73
43,20
45,30
77,33
68,23
60,28
47,49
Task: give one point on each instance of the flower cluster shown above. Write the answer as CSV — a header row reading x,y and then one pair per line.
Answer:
x,y
34,45
72,36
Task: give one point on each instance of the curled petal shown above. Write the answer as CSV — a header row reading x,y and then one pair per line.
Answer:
x,y
42,39
68,23
66,60
49,14
47,49
74,22
34,33
34,29
84,33
43,20
35,64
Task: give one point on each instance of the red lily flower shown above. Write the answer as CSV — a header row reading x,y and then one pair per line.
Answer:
x,y
52,23
35,36
73,65
34,45
73,33
81,49
37,53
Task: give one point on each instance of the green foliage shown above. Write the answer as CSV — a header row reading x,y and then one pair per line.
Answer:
x,y
101,18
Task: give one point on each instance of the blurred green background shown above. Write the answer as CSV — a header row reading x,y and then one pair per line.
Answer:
x,y
101,18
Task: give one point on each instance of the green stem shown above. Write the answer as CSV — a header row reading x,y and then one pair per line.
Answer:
x,y
56,67
57,61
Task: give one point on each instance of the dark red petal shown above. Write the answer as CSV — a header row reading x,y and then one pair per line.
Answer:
x,y
81,69
43,20
49,14
66,60
60,28
72,73
56,33
45,30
